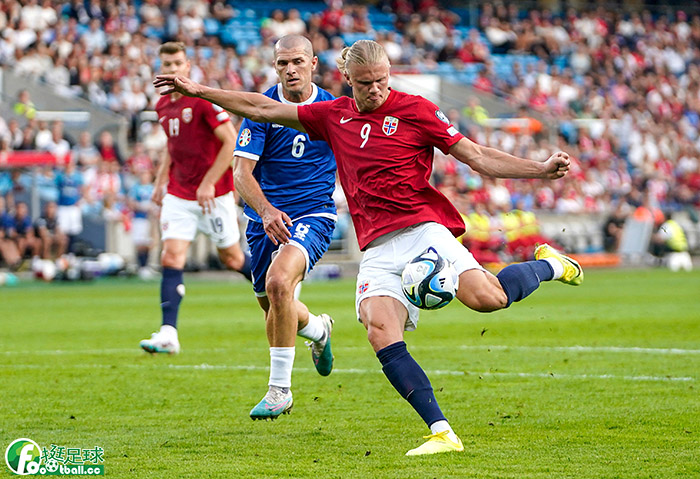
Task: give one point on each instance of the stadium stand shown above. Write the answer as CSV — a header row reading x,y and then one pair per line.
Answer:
x,y
619,90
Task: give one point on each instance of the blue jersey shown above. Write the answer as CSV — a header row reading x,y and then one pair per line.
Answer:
x,y
296,175
7,222
141,195
21,225
69,188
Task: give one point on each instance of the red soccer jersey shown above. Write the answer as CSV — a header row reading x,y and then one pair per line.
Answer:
x,y
385,158
189,124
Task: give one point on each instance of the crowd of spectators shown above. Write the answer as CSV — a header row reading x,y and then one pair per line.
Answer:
x,y
619,91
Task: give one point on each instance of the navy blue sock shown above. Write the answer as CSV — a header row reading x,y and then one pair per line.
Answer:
x,y
143,258
521,279
409,379
245,269
170,296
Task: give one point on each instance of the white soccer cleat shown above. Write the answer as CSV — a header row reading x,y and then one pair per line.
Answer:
x,y
161,342
147,274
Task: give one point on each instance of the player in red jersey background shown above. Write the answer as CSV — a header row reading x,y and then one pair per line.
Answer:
x,y
197,173
383,141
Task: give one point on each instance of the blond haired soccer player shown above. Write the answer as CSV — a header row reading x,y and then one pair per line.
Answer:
x,y
199,180
287,182
383,142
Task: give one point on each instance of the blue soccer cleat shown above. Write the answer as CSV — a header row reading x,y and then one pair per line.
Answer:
x,y
274,404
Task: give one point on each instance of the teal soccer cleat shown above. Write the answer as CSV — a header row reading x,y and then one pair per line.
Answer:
x,y
321,350
274,404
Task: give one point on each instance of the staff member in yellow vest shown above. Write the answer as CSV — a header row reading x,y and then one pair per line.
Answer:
x,y
670,244
531,234
479,238
510,221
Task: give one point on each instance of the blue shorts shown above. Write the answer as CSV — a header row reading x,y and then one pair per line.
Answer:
x,y
311,234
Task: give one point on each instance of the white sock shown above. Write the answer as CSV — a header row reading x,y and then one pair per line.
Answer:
x,y
443,425
169,331
556,266
314,330
281,363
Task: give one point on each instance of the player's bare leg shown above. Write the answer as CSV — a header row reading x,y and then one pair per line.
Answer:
x,y
285,318
234,259
481,291
172,290
385,318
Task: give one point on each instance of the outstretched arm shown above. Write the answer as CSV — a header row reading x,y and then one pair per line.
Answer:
x,y
499,164
254,106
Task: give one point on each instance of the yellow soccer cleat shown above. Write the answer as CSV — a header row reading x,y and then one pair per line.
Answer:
x,y
437,443
573,273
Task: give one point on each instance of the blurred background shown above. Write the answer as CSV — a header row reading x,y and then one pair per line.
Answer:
x,y
614,84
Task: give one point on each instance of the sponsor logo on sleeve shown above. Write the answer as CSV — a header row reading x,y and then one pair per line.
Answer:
x,y
244,138
441,116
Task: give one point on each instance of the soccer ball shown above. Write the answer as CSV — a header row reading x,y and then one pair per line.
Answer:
x,y
429,281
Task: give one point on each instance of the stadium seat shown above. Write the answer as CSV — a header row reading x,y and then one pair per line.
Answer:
x,y
211,26
351,37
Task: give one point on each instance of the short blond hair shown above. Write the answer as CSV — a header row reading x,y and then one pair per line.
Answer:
x,y
362,52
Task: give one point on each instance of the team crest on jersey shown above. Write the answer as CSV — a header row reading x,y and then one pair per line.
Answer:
x,y
391,124
187,114
441,116
363,287
244,139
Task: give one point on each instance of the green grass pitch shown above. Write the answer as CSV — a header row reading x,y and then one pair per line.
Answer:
x,y
599,381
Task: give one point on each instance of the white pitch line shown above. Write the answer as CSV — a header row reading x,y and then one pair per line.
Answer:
x,y
435,372
58,352
583,349
493,347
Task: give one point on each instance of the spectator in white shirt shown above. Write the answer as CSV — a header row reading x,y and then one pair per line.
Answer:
x,y
95,39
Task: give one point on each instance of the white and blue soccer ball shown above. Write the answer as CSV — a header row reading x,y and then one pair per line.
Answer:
x,y
429,281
